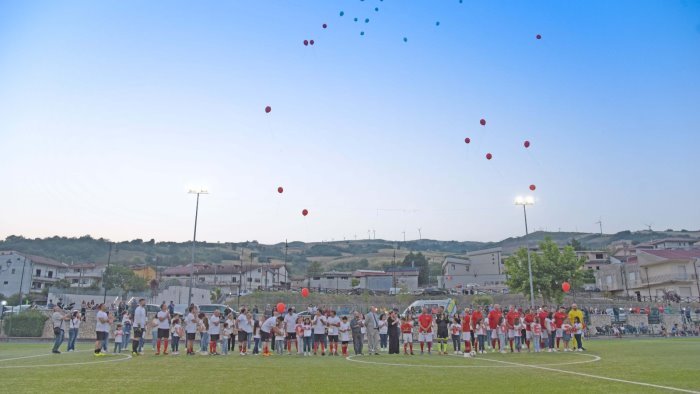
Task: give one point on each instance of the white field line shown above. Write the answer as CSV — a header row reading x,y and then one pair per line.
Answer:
x,y
658,386
514,365
110,360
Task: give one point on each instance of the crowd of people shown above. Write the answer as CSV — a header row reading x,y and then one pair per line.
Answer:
x,y
320,331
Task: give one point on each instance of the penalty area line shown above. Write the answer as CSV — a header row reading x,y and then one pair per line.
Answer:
x,y
658,386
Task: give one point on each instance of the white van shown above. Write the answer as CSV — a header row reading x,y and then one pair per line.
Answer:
x,y
416,308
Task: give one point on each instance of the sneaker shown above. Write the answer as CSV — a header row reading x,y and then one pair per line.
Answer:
x,y
323,353
412,354
136,354
467,355
157,354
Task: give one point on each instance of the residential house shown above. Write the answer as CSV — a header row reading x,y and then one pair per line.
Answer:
x,y
331,280
477,268
27,273
144,271
84,274
594,258
385,280
249,277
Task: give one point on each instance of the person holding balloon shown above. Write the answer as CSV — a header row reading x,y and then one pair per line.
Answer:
x,y
267,332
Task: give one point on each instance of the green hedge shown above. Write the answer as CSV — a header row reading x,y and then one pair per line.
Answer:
x,y
25,324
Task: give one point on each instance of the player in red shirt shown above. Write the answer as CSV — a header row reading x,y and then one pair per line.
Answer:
x,y
467,332
477,315
559,317
425,330
542,316
407,333
512,318
529,319
494,317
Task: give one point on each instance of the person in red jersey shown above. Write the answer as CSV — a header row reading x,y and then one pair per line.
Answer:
x,y
494,317
512,319
467,332
559,317
529,319
542,315
477,315
425,330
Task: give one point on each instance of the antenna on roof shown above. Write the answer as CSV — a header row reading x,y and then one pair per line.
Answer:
x,y
600,223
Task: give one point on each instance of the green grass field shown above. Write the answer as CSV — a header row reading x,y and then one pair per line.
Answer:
x,y
671,363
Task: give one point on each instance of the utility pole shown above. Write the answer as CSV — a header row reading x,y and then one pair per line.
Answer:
x,y
104,281
404,236
374,234
420,236
194,240
21,281
600,223
697,280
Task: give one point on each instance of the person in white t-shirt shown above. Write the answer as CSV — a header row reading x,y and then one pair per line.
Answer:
x,y
244,328
344,330
139,328
308,331
319,332
267,332
163,317
102,324
333,323
214,331
290,323
191,322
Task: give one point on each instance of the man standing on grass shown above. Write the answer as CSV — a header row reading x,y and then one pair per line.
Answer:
x,y
191,322
512,319
290,321
139,327
425,330
356,329
58,318
102,324
372,324
494,317
559,317
163,329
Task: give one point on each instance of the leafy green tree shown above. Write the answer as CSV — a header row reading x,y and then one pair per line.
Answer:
x,y
215,294
62,283
117,277
576,244
314,269
550,268
418,261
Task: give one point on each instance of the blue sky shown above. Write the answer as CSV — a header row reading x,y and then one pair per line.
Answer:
x,y
110,111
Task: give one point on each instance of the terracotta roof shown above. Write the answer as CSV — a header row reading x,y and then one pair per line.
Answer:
x,y
675,254
44,260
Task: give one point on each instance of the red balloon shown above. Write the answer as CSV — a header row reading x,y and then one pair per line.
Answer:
x,y
311,42
304,292
482,122
566,287
538,37
489,156
305,212
268,109
325,25
281,307
533,187
280,189
306,42
467,140
526,144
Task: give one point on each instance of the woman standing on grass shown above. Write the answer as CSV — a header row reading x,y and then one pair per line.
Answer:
x,y
73,328
101,328
393,328
383,331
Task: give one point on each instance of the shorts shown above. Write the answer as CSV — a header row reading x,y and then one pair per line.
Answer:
x,y
566,337
191,336
138,333
442,334
101,335
559,333
545,334
264,336
345,342
333,338
528,334
494,334
291,335
467,336
407,337
163,333
511,333
319,337
425,337
213,337
242,336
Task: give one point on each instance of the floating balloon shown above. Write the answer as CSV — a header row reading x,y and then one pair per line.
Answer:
x,y
354,19
311,42
342,13
376,9
366,20
324,25
362,33
539,37
437,23
304,292
489,156
526,144
405,39
533,187
306,42
280,307
268,109
566,287
467,140
305,212
482,122
280,190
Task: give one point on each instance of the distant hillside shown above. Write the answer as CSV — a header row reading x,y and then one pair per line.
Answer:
x,y
339,255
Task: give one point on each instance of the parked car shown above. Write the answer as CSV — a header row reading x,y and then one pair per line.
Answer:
x,y
433,291
417,306
210,308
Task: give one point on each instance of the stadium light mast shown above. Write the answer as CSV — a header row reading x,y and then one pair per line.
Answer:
x,y
194,239
525,201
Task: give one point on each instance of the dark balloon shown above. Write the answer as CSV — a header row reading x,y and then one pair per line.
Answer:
x,y
539,37
467,140
526,144
324,25
311,42
342,13
362,33
437,23
482,122
376,9
268,109
355,19
366,20
489,156
280,190
405,39
533,187
305,212
306,42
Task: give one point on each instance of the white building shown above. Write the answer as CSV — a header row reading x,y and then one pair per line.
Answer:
x,y
249,277
28,273
385,280
333,280
478,268
85,274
